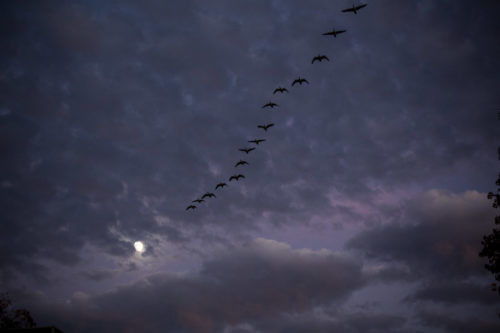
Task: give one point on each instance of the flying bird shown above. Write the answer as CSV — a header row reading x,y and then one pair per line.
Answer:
x,y
236,177
241,162
270,104
220,185
198,200
333,33
208,194
257,141
247,150
354,9
299,81
191,207
280,89
265,127
320,58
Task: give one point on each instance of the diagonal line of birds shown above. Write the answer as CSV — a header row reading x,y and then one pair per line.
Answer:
x,y
265,127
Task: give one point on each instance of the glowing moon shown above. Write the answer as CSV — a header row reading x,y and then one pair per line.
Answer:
x,y
139,246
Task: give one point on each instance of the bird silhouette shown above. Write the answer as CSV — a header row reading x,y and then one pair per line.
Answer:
x,y
280,89
208,194
320,58
354,9
333,33
198,200
236,177
241,162
270,104
257,141
191,207
299,81
220,185
246,150
265,127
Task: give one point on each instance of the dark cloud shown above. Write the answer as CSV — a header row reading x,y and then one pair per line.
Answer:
x,y
454,292
98,274
449,323
440,238
322,322
437,249
255,282
160,96
114,116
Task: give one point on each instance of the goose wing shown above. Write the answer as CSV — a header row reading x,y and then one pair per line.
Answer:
x,y
241,162
280,89
348,10
257,141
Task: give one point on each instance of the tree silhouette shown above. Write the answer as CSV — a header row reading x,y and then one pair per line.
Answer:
x,y
491,242
14,318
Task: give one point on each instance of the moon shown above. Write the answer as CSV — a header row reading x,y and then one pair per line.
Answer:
x,y
139,246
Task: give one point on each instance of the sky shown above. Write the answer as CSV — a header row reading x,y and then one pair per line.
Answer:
x,y
363,211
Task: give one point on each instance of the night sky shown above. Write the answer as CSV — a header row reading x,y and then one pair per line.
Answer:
x,y
363,211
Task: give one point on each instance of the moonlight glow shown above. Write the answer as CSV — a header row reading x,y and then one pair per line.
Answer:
x,y
139,246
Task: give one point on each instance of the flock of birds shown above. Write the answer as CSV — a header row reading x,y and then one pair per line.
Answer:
x,y
236,177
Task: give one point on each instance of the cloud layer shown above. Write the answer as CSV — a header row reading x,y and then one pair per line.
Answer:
x,y
115,116
252,283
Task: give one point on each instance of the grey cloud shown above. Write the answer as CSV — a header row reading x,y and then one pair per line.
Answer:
x,y
321,321
113,87
357,322
259,281
454,292
449,323
98,274
114,116
438,244
440,238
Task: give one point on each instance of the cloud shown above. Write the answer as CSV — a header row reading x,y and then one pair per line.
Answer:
x,y
114,117
454,292
440,237
355,322
450,323
108,107
98,274
254,282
